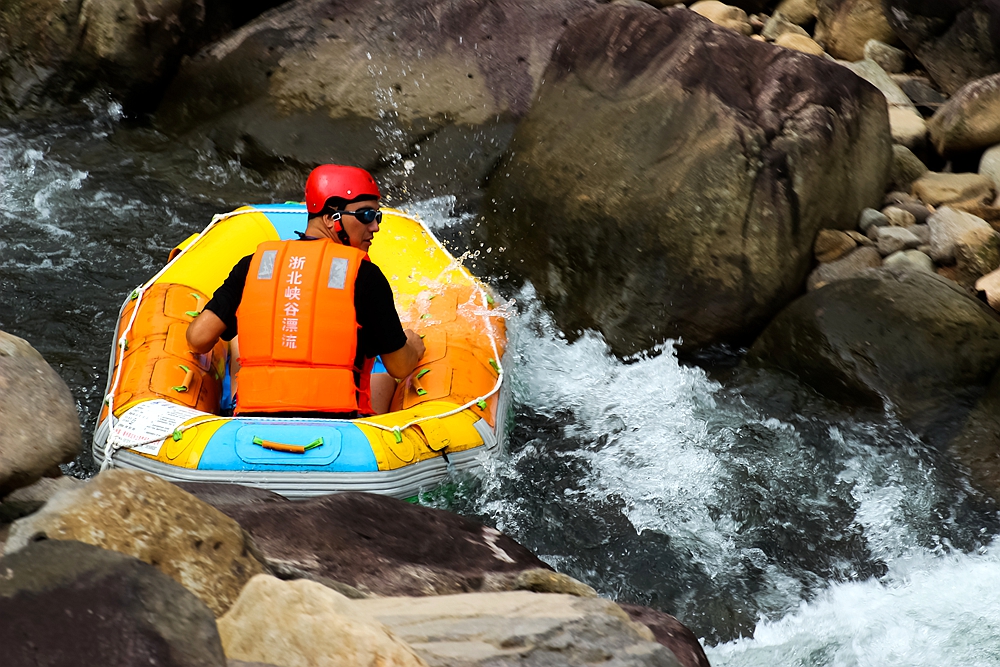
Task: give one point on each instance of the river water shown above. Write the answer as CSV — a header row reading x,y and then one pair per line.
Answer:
x,y
780,528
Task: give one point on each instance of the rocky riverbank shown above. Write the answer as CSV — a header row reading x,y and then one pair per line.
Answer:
x,y
813,180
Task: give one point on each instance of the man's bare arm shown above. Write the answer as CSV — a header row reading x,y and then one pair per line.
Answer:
x,y
402,362
204,332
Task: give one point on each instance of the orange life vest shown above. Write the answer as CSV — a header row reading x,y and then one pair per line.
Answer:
x,y
299,330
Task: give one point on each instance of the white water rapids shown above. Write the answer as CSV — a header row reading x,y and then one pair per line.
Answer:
x,y
743,506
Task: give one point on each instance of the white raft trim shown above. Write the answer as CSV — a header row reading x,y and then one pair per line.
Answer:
x,y
395,429
404,482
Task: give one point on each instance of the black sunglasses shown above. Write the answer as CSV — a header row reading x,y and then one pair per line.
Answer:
x,y
365,216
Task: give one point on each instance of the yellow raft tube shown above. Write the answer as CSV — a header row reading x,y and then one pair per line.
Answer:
x,y
164,404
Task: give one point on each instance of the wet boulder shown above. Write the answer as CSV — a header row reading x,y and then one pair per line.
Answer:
x,y
366,82
843,27
148,518
39,425
970,119
909,338
671,177
374,543
304,623
977,442
52,52
70,603
957,41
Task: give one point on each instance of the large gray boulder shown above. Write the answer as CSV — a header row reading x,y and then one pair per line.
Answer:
x,y
39,425
957,41
672,176
64,604
367,82
977,442
912,339
52,52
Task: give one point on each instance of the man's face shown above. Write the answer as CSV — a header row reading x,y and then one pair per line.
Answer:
x,y
360,234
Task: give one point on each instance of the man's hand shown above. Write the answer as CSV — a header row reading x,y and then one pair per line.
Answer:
x,y
402,362
204,332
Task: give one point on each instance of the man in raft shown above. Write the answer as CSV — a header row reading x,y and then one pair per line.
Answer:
x,y
313,314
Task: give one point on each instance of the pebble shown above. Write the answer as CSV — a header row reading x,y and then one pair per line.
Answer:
x,y
912,260
848,266
870,217
723,15
796,42
832,244
899,217
894,239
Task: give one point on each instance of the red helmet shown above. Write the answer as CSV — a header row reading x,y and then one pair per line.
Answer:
x,y
334,180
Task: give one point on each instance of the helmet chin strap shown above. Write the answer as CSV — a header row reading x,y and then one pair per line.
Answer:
x,y
338,229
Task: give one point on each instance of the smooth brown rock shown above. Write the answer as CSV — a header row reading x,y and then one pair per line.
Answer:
x,y
39,425
304,624
843,27
990,285
832,244
777,25
148,518
888,57
936,189
909,337
860,238
373,543
977,253
723,15
955,40
849,266
694,132
69,604
799,12
898,217
908,127
906,167
970,119
796,42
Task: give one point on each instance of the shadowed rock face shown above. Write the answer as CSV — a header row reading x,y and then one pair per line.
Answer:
x,y
957,41
912,338
374,543
671,177
52,52
70,603
364,82
671,633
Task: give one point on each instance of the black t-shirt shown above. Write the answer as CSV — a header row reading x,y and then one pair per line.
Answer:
x,y
380,332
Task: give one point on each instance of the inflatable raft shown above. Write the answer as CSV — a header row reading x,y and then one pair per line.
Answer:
x,y
165,406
